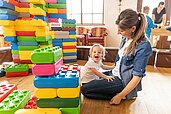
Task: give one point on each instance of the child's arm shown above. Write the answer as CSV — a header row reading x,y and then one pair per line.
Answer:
x,y
99,74
107,67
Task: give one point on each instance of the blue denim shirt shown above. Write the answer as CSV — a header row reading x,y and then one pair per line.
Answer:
x,y
134,64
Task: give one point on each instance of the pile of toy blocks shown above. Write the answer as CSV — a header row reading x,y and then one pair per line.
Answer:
x,y
12,99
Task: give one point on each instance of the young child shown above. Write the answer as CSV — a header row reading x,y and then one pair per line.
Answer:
x,y
91,69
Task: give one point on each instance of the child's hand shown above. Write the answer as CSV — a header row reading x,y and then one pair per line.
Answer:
x,y
109,78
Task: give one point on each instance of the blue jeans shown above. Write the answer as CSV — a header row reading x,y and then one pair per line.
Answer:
x,y
102,89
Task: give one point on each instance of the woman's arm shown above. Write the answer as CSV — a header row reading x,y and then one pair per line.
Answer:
x,y
130,86
107,67
99,74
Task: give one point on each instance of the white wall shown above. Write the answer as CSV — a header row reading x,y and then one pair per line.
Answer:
x,y
111,10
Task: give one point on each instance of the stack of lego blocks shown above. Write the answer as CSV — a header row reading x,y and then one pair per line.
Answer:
x,y
12,99
19,30
17,70
69,44
60,91
67,40
7,16
40,23
57,87
56,9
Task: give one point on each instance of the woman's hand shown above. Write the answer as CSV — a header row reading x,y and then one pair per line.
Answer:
x,y
109,78
115,100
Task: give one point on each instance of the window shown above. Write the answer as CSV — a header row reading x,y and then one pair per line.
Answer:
x,y
86,12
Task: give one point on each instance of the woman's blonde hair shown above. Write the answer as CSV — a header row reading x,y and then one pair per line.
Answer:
x,y
101,47
126,20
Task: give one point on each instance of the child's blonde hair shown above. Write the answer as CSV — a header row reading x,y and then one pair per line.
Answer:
x,y
101,47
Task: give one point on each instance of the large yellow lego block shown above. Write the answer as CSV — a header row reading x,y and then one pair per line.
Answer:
x,y
8,28
23,10
39,111
45,93
25,55
72,36
69,50
68,92
38,2
38,22
69,43
43,33
43,46
6,23
30,65
23,23
9,33
42,28
17,9
37,11
52,34
52,10
24,28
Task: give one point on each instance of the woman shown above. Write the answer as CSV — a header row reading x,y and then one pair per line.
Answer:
x,y
130,62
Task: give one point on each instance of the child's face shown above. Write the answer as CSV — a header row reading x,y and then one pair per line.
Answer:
x,y
97,54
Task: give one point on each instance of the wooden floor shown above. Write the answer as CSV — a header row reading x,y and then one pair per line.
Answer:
x,y
155,98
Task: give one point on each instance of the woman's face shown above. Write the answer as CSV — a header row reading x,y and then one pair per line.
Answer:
x,y
126,33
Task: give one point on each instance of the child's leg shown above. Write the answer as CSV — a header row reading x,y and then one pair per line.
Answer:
x,y
102,89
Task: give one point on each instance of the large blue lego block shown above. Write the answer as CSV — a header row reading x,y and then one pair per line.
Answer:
x,y
10,38
44,18
8,11
70,54
62,16
27,43
4,4
63,79
72,32
71,21
69,40
70,60
8,17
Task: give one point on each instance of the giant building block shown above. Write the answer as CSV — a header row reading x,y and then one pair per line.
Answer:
x,y
46,55
52,1
58,103
4,4
68,92
47,69
45,92
17,68
39,111
70,110
16,100
5,90
25,55
60,92
63,79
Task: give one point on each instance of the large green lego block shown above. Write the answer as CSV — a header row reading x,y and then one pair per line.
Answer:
x,y
58,102
17,68
70,110
16,100
46,55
